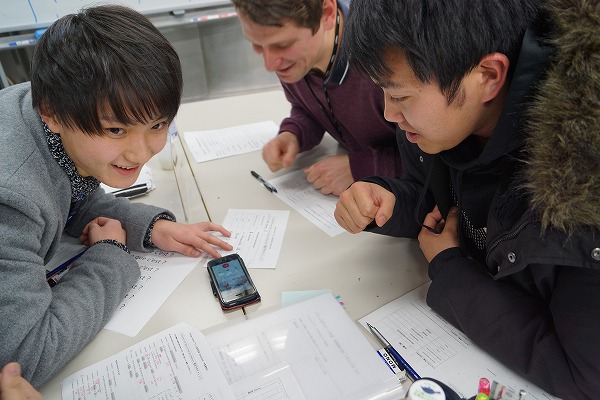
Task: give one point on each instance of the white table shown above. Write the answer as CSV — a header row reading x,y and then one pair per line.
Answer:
x,y
365,270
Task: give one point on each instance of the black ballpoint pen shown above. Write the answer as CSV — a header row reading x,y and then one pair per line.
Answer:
x,y
390,349
266,184
132,191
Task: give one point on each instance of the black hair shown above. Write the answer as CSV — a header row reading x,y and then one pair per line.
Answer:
x,y
304,13
442,40
105,59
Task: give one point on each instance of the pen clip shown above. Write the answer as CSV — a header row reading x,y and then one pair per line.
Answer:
x,y
132,191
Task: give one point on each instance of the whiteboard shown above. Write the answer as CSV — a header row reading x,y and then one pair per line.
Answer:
x,y
35,14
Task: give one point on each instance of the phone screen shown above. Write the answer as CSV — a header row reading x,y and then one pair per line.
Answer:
x,y
232,281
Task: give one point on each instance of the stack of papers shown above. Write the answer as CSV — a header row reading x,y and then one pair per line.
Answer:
x,y
436,349
308,350
210,145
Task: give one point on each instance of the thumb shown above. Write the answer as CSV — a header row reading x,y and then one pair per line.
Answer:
x,y
381,218
10,370
384,211
452,219
288,158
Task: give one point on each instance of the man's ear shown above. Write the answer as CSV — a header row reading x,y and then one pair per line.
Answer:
x,y
329,14
51,121
494,72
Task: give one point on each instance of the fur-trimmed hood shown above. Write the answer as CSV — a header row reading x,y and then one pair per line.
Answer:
x,y
563,173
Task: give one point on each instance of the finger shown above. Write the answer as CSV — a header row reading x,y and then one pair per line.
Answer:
x,y
211,251
436,213
287,159
215,241
451,222
326,190
311,177
101,221
211,226
382,206
431,220
344,218
84,239
186,249
311,174
10,370
13,386
362,208
271,157
347,223
382,217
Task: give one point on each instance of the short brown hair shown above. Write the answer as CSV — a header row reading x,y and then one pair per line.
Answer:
x,y
304,13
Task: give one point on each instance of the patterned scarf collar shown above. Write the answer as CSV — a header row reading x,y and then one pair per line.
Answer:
x,y
81,186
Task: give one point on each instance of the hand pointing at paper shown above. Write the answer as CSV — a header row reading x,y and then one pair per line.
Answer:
x,y
189,239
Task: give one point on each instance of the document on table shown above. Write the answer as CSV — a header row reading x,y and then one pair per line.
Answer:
x,y
256,235
327,354
436,349
308,350
161,272
174,364
210,145
294,190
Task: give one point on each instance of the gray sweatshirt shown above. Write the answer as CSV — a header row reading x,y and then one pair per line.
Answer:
x,y
42,327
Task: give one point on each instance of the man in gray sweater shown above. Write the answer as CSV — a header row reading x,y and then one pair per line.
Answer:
x,y
105,84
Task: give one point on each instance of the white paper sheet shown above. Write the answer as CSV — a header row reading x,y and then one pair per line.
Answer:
x,y
161,272
174,364
256,235
309,350
436,349
210,145
279,383
294,190
328,356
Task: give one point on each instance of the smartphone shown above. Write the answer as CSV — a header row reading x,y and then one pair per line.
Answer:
x,y
231,282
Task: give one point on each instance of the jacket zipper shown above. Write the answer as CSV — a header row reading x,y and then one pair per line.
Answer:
x,y
511,235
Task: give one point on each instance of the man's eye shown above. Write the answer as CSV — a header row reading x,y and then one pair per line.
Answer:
x,y
115,131
399,99
160,125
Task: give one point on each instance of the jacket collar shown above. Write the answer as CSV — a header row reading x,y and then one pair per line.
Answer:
x,y
341,66
563,159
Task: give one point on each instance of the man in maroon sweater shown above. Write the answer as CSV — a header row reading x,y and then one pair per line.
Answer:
x,y
300,41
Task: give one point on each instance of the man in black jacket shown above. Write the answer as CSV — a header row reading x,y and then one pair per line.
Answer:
x,y
498,108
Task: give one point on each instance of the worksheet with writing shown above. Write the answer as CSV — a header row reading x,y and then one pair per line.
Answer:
x,y
294,190
161,273
221,143
308,350
434,348
174,364
256,235
329,357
